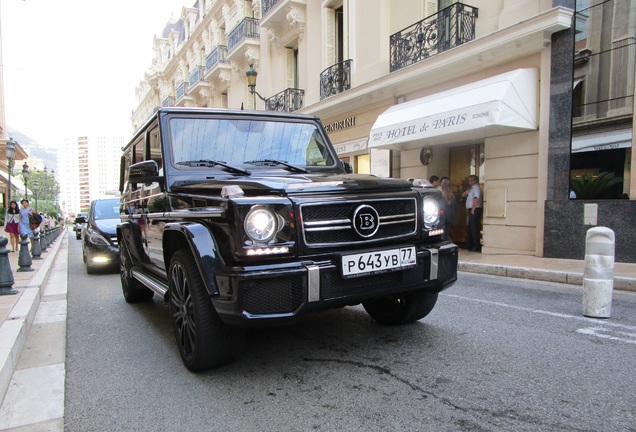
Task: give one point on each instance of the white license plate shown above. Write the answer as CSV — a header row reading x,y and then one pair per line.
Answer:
x,y
378,261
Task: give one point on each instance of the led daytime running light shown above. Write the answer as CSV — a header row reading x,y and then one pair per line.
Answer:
x,y
268,251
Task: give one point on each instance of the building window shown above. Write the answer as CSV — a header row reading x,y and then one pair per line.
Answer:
x,y
335,32
577,98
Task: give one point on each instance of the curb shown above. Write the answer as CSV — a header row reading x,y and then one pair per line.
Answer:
x,y
15,328
572,278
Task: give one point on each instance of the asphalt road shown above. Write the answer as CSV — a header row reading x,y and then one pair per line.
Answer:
x,y
496,354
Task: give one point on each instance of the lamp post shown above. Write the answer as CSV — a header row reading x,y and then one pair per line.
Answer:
x,y
251,75
36,185
45,187
25,176
10,151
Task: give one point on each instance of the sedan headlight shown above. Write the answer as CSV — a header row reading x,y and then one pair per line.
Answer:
x,y
97,239
261,224
431,211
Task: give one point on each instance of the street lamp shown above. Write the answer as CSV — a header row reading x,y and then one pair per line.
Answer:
x,y
251,75
36,185
10,151
25,176
45,187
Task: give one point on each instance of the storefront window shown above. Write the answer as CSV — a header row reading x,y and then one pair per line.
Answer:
x,y
602,99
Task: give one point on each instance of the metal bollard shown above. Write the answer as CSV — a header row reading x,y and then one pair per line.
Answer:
x,y
598,276
42,243
6,275
36,252
24,258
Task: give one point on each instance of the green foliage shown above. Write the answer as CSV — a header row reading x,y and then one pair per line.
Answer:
x,y
589,187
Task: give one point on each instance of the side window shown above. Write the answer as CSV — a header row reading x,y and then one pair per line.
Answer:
x,y
132,153
123,171
155,148
139,150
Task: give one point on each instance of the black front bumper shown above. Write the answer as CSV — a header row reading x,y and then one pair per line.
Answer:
x,y
281,294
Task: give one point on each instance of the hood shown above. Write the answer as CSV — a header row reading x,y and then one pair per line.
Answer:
x,y
296,184
107,226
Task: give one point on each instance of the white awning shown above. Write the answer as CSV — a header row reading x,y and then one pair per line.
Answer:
x,y
499,105
16,182
609,140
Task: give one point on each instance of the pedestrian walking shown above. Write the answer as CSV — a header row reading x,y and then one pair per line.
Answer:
x,y
12,224
24,219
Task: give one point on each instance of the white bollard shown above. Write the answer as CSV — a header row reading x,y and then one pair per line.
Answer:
x,y
598,276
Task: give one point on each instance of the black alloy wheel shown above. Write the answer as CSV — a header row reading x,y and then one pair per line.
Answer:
x,y
403,308
204,341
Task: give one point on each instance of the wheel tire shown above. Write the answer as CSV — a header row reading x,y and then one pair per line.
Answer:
x,y
89,269
204,341
133,290
401,308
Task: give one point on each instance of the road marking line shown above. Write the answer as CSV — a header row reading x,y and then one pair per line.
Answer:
x,y
544,312
600,333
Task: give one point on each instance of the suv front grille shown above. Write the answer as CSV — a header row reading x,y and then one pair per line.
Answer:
x,y
327,224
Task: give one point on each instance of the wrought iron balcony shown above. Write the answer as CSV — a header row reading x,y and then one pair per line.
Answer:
x,y
181,90
335,79
196,75
168,102
450,27
246,29
289,100
218,55
266,5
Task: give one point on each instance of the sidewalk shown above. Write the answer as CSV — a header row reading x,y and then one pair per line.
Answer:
x,y
17,312
543,269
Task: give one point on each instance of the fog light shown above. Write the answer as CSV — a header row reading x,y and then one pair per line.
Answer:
x,y
100,260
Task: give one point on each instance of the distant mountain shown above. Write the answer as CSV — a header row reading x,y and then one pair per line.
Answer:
x,y
47,155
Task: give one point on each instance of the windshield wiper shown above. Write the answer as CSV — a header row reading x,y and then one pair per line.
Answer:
x,y
212,163
273,162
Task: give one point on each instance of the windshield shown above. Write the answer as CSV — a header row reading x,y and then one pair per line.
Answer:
x,y
106,209
235,142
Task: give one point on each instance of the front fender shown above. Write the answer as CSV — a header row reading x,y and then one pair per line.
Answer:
x,y
198,239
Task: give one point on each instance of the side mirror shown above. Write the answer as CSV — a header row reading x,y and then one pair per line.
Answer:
x,y
346,166
145,172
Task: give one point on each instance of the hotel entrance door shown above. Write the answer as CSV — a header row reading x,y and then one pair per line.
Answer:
x,y
464,161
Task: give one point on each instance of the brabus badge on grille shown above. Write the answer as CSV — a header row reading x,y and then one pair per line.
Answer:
x,y
366,221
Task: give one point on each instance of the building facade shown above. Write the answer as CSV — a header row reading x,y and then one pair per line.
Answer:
x,y
88,168
406,88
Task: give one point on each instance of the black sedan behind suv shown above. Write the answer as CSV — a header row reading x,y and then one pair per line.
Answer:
x,y
99,235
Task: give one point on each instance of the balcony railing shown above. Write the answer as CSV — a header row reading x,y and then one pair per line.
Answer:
x,y
181,90
196,75
168,102
266,5
335,79
289,100
218,55
436,33
246,29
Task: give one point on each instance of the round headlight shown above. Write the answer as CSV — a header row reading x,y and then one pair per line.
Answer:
x,y
261,224
431,211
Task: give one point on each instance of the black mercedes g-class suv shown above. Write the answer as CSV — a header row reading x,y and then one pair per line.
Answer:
x,y
240,218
